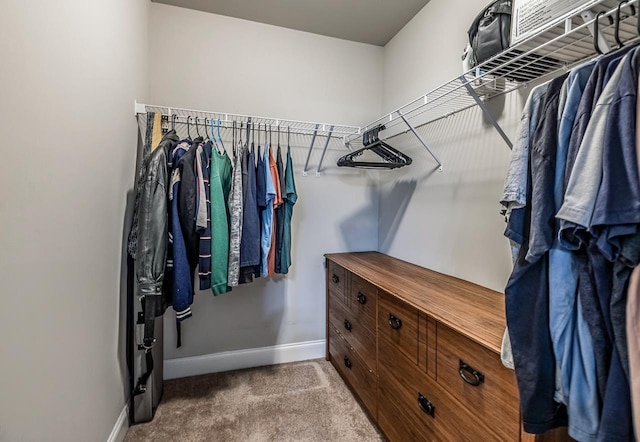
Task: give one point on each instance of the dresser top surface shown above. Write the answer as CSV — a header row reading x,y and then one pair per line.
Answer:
x,y
472,310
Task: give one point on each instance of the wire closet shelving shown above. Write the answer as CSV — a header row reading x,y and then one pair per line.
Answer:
x,y
565,42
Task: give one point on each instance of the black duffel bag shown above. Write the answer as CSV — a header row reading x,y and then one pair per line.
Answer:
x,y
490,32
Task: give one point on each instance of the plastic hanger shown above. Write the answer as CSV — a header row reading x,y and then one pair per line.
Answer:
x,y
616,33
213,136
188,127
219,137
596,30
391,158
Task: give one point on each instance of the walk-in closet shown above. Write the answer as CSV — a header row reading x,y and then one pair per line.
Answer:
x,y
407,220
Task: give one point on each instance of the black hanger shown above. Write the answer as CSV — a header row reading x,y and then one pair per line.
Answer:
x,y
288,135
391,158
233,141
199,138
188,127
173,121
596,30
616,33
206,132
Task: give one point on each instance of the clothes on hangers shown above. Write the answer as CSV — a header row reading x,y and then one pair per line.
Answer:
x,y
188,203
197,209
267,212
579,240
289,202
235,221
204,261
178,266
220,183
277,203
279,212
250,246
146,153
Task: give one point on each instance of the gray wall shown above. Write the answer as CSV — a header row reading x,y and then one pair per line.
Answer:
x,y
251,68
445,221
71,70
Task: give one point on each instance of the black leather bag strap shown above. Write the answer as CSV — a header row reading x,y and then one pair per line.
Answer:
x,y
148,316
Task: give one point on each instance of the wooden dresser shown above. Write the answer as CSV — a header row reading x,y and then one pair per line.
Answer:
x,y
421,351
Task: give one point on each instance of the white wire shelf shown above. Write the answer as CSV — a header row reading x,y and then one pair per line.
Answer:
x,y
565,42
228,119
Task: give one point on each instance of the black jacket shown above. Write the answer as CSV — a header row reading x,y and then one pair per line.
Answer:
x,y
151,254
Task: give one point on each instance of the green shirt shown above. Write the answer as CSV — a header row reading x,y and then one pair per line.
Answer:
x,y
220,186
292,197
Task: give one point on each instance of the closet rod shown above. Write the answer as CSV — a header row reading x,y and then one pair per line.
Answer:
x,y
227,119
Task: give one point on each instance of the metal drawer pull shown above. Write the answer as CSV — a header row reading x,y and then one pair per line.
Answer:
x,y
426,406
465,369
394,323
347,363
362,299
347,325
335,279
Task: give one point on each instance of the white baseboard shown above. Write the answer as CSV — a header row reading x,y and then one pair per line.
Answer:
x,y
120,428
235,360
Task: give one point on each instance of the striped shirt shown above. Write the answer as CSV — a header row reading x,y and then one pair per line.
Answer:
x,y
204,266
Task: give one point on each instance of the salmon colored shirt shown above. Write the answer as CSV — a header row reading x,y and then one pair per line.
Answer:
x,y
277,202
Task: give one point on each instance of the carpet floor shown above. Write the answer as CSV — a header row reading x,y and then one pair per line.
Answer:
x,y
301,401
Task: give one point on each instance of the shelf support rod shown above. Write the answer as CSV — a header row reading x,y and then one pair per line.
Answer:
x,y
412,129
486,111
326,144
313,141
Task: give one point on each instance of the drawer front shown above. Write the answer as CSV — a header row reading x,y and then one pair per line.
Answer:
x,y
425,409
398,323
337,282
360,338
363,299
489,389
353,370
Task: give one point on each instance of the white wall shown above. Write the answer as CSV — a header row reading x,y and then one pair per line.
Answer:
x,y
445,221
71,70
207,61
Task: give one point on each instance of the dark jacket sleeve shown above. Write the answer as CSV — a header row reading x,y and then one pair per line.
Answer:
x,y
151,255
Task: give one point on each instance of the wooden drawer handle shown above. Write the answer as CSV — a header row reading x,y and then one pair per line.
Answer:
x,y
347,363
426,406
466,370
347,325
335,279
362,299
394,323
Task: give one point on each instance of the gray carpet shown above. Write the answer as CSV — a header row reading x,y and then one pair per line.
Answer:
x,y
302,401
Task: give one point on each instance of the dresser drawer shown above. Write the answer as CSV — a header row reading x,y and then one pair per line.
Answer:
x,y
337,282
475,376
425,408
363,298
398,323
361,379
359,337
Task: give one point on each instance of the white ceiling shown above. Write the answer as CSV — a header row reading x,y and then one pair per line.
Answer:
x,y
367,21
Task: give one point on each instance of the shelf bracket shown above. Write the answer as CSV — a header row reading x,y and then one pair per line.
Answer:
x,y
313,141
485,110
326,144
412,129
